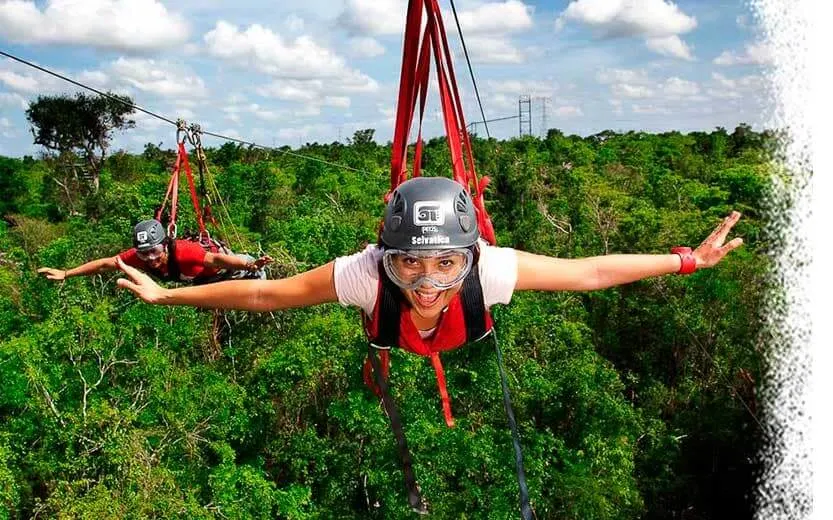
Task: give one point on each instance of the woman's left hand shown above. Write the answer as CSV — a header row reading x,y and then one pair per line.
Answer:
x,y
712,250
261,262
139,283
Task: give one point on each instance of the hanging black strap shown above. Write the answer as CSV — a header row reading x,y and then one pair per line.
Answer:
x,y
387,334
526,509
414,497
474,309
173,265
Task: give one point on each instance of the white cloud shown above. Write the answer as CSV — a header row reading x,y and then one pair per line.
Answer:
x,y
25,81
314,89
743,21
659,22
387,112
631,91
337,101
496,18
502,102
260,48
494,50
608,76
627,83
184,113
234,112
19,82
387,17
517,87
123,25
637,84
568,111
267,115
612,18
675,87
11,99
147,122
649,109
5,123
305,132
737,88
158,77
294,23
232,132
365,47
671,46
753,54
375,17
94,78
309,72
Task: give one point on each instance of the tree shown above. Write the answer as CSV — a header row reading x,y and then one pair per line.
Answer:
x,y
11,184
362,138
81,125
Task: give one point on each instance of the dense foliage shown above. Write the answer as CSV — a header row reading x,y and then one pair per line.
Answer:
x,y
633,402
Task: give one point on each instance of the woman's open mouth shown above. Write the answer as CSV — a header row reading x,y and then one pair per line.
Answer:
x,y
427,299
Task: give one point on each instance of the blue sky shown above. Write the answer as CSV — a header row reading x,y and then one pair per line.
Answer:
x,y
291,71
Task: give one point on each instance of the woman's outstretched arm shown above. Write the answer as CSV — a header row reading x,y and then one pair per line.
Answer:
x,y
302,290
543,273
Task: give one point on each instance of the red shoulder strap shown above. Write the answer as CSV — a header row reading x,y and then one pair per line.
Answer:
x,y
413,85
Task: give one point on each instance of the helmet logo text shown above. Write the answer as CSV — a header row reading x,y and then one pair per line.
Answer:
x,y
142,236
429,213
436,240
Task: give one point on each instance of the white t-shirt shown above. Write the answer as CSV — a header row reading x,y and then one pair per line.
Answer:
x,y
357,276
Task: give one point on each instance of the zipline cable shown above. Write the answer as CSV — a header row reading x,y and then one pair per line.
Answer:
x,y
171,121
108,96
471,71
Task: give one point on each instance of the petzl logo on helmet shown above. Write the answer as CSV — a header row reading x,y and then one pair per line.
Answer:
x,y
142,236
429,213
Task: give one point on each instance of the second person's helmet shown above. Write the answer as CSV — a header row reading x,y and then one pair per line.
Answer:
x,y
148,234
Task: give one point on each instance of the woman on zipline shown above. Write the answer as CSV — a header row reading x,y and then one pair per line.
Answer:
x,y
427,248
173,260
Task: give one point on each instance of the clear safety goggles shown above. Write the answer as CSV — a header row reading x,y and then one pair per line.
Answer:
x,y
443,268
151,254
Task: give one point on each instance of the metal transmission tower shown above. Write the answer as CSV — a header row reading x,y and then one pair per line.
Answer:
x,y
545,100
524,115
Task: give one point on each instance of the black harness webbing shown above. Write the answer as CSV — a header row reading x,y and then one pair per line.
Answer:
x,y
415,499
474,311
173,265
526,509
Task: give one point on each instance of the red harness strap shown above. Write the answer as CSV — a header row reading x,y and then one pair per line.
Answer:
x,y
414,85
192,188
173,193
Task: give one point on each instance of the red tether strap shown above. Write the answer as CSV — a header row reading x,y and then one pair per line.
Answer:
x,y
413,86
194,200
438,369
173,193
405,102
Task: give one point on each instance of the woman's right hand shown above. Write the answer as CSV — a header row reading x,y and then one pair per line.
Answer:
x,y
53,274
140,284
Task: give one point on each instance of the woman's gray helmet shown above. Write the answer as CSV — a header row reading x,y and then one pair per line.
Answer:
x,y
148,234
430,213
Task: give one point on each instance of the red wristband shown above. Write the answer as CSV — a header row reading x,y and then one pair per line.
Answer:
x,y
689,264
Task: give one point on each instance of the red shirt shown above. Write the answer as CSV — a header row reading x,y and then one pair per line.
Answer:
x,y
189,255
